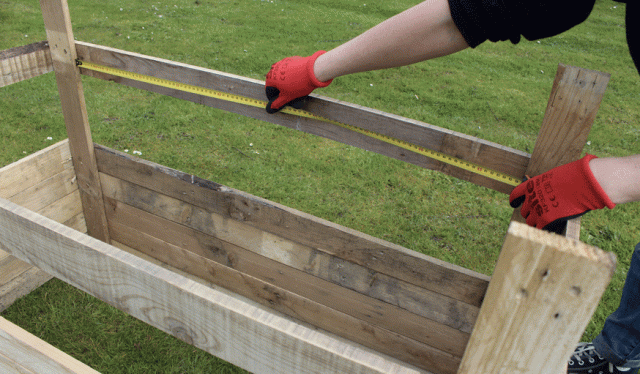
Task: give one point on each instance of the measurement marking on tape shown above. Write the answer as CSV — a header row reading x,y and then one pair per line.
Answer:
x,y
450,160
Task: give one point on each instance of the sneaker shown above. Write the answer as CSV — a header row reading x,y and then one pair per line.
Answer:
x,y
586,360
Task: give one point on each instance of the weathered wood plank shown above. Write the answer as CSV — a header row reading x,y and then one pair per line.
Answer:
x,y
436,307
575,99
34,169
350,245
266,283
37,182
25,62
229,327
21,285
545,288
160,239
468,148
48,191
26,353
63,54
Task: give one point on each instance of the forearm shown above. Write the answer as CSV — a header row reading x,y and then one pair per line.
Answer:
x,y
619,177
420,33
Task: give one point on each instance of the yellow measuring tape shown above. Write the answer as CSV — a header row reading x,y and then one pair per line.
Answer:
x,y
474,168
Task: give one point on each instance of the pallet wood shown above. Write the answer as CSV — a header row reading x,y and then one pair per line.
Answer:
x,y
63,54
537,297
462,146
43,182
387,258
26,62
299,280
575,98
22,353
231,328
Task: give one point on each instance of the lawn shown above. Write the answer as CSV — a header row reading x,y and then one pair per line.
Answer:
x,y
497,92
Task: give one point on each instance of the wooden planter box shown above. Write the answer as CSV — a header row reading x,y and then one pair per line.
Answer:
x,y
272,289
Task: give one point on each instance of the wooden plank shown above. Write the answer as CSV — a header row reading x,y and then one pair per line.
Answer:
x,y
34,169
48,191
231,328
26,62
21,285
11,268
341,242
266,283
64,209
575,99
482,152
161,239
36,182
33,354
9,366
63,53
434,306
545,288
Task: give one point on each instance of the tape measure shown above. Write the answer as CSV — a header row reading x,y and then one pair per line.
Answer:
x,y
465,165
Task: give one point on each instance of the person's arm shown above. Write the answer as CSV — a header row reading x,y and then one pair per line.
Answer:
x,y
619,177
420,33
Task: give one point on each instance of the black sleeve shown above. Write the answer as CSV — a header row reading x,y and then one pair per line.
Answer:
x,y
495,20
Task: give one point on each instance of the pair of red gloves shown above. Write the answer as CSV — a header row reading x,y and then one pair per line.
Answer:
x,y
547,201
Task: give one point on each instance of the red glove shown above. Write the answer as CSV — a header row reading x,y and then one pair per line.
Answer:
x,y
562,193
290,80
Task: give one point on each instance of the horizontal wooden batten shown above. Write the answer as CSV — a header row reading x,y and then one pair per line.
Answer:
x,y
286,290
464,147
252,242
230,327
45,183
350,245
25,62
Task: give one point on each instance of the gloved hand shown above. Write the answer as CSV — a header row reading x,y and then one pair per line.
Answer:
x,y
290,80
551,199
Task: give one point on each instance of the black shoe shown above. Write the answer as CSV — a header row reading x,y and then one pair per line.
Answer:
x,y
586,360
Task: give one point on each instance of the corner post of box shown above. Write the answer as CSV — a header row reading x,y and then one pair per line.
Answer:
x,y
543,292
57,22
574,102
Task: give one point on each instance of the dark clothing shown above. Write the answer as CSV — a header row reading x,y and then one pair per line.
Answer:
x,y
496,20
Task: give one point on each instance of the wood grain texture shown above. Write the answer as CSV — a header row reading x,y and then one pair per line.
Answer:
x,y
341,242
573,104
468,148
229,327
63,54
303,297
342,273
545,288
25,62
45,183
23,352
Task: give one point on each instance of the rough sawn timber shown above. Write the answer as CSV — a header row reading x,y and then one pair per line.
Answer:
x,y
482,152
234,329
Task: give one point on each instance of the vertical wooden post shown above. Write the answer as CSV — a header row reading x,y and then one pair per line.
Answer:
x,y
543,292
571,110
63,53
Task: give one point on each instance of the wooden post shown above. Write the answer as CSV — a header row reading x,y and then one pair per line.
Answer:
x,y
57,21
542,295
572,107
63,53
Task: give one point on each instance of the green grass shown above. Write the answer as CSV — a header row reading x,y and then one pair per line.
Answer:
x,y
497,92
